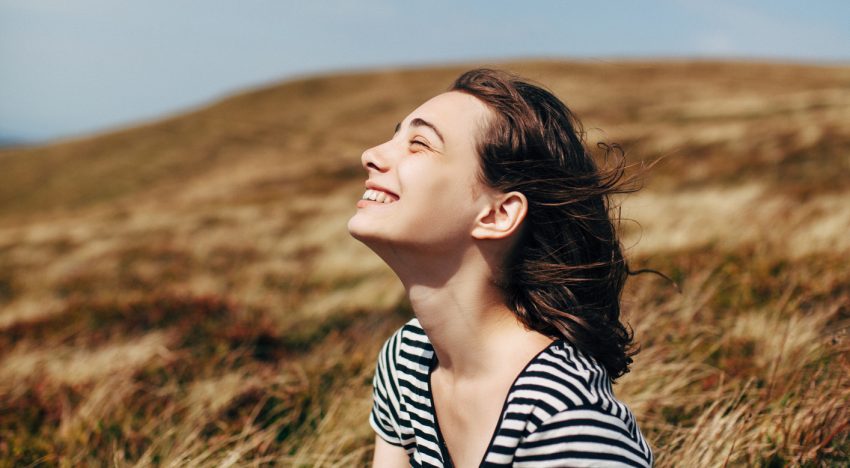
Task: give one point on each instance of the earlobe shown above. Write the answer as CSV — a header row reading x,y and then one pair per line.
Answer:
x,y
502,217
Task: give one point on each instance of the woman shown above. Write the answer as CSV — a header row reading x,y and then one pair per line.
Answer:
x,y
492,213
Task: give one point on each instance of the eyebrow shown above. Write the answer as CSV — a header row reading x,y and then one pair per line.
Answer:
x,y
417,122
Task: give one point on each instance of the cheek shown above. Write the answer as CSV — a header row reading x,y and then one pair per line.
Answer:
x,y
440,201
438,185
431,170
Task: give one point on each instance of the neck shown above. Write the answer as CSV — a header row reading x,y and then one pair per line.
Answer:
x,y
464,314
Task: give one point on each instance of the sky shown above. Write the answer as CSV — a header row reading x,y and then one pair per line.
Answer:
x,y
75,67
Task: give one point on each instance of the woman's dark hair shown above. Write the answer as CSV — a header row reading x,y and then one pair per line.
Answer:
x,y
566,272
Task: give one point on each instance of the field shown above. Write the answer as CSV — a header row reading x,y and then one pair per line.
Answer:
x,y
185,292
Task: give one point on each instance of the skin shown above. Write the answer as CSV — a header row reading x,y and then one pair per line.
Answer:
x,y
445,237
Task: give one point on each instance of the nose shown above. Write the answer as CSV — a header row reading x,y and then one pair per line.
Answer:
x,y
373,159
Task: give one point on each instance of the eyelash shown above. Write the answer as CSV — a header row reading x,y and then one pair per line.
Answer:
x,y
418,142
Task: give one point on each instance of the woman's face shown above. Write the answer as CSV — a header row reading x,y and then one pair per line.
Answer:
x,y
425,179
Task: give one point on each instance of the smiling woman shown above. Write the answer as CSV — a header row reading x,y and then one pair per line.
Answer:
x,y
496,220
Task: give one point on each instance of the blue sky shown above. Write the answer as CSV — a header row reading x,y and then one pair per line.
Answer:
x,y
75,67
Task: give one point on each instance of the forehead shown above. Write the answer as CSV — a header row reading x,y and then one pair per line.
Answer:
x,y
457,115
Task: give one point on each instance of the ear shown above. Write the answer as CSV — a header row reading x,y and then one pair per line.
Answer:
x,y
502,217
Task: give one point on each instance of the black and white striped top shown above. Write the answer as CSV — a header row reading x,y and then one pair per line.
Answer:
x,y
560,410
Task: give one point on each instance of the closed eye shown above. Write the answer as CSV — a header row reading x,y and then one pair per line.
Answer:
x,y
420,143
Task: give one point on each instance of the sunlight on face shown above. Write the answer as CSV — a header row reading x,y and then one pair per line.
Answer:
x,y
428,171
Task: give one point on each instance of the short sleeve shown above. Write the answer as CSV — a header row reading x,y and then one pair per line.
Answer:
x,y
384,418
583,436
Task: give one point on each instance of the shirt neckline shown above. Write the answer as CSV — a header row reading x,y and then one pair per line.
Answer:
x,y
444,449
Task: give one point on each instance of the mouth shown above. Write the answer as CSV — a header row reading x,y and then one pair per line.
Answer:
x,y
379,196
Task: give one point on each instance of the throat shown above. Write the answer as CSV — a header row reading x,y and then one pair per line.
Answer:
x,y
466,418
468,412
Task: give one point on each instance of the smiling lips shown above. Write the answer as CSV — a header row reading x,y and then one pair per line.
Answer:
x,y
379,196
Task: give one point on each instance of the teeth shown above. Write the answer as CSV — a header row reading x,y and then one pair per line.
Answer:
x,y
378,196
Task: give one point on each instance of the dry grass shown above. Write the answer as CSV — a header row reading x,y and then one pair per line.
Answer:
x,y
185,293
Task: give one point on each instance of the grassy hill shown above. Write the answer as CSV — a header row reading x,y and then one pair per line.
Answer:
x,y
185,292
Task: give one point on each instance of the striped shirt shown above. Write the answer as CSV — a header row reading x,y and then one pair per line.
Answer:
x,y
560,410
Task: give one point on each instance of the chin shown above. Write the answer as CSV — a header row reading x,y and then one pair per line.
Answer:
x,y
374,238
359,230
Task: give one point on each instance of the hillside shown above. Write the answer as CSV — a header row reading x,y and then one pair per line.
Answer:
x,y
186,291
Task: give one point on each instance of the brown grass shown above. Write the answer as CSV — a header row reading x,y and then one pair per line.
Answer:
x,y
185,293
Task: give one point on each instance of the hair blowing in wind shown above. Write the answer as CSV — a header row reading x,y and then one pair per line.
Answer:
x,y
567,271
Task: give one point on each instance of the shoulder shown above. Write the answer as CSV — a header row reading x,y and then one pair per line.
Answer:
x,y
398,376
585,435
559,379
412,332
561,412
406,355
578,417
409,340
563,377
